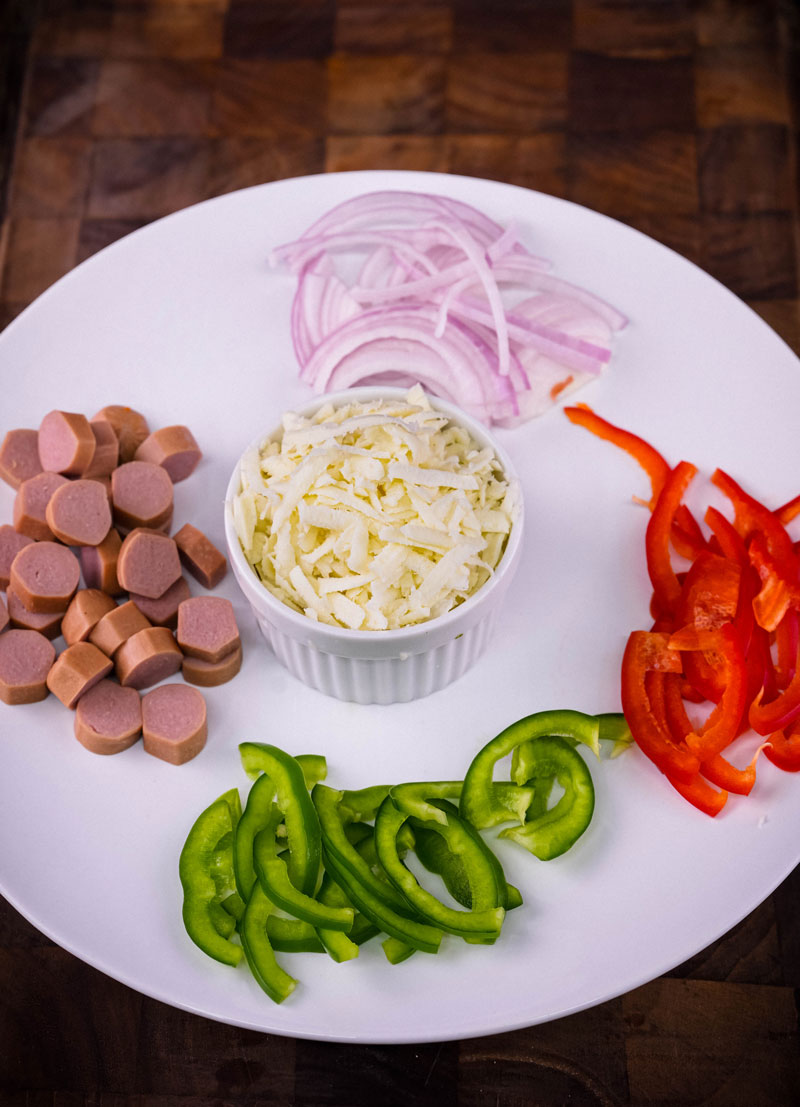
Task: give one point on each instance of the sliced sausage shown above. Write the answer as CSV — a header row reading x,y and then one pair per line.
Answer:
x,y
25,660
200,556
174,449
78,513
207,628
106,451
210,673
147,657
148,563
108,718
4,620
141,495
30,505
130,427
19,456
88,606
47,623
174,723
117,626
163,611
77,669
99,564
66,443
45,576
11,542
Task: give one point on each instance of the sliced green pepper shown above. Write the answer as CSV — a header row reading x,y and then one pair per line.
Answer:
x,y
273,876
285,935
550,832
479,801
484,918
257,949
206,875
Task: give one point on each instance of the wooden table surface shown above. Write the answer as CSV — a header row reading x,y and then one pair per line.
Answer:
x,y
677,117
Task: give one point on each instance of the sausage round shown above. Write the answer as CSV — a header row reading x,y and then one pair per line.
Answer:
x,y
30,505
78,513
66,443
174,723
148,563
77,669
207,627
174,449
208,674
108,718
45,576
200,556
106,450
88,606
19,456
117,626
25,660
141,495
99,564
163,611
11,542
147,657
129,426
47,623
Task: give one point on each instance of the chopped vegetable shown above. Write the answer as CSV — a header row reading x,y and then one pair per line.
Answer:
x,y
726,632
405,287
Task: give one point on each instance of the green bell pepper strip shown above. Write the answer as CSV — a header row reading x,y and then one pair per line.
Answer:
x,y
484,919
258,813
285,935
339,946
257,949
433,850
361,805
206,872
273,875
396,951
553,831
614,728
314,766
294,803
479,802
413,798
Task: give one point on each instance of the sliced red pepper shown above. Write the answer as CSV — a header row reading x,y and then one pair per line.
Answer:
x,y
648,652
722,725
700,794
709,597
666,586
777,713
648,457
788,511
783,748
687,537
730,541
776,594
787,640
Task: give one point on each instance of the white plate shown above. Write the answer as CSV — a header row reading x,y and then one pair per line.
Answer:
x,y
184,321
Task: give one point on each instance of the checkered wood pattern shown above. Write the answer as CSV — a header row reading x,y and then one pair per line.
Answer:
x,y
678,117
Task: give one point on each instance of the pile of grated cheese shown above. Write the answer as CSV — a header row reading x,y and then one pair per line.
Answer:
x,y
374,516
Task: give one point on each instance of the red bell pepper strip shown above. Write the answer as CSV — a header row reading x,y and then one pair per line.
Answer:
x,y
778,713
783,748
700,794
722,725
666,586
687,537
709,597
787,640
788,511
648,457
776,594
648,652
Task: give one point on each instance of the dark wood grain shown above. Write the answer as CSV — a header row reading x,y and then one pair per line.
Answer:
x,y
678,117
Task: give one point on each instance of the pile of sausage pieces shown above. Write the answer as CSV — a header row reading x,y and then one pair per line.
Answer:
x,y
89,558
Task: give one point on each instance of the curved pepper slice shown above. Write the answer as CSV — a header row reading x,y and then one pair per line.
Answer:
x,y
480,804
273,876
484,918
783,748
666,586
206,875
648,456
722,725
709,597
548,833
260,955
292,800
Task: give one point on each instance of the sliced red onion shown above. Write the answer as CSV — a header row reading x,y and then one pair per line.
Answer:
x,y
441,295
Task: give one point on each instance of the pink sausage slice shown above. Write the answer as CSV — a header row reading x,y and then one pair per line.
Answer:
x,y
45,576
19,456
88,606
4,620
11,542
129,426
25,660
148,563
117,626
66,443
47,623
78,513
30,505
174,449
174,723
141,495
106,451
208,674
207,628
200,556
76,670
163,611
99,564
147,657
108,718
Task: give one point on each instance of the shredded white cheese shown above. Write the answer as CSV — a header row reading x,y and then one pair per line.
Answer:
x,y
374,516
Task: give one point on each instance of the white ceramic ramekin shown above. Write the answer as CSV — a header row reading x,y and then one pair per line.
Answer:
x,y
379,666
